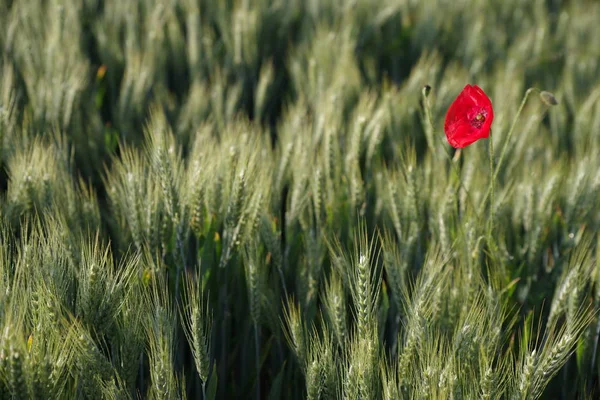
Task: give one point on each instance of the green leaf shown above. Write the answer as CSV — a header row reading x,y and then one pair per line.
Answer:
x,y
275,392
581,354
527,330
211,391
383,309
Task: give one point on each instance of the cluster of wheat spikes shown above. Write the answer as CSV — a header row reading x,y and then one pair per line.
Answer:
x,y
252,199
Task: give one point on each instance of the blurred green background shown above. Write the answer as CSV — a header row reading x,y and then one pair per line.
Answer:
x,y
253,199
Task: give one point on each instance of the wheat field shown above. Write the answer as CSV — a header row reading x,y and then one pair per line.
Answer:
x,y
234,199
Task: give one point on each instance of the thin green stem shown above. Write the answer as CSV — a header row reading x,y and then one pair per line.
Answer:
x,y
428,130
503,152
492,178
446,153
224,332
512,129
180,267
257,348
281,276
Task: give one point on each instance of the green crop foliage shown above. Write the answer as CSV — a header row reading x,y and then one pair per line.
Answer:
x,y
256,200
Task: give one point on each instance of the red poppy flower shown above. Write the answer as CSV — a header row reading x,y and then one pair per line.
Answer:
x,y
469,117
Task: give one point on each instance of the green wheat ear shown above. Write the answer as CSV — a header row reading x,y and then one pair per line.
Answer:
x,y
159,326
197,325
334,301
192,195
296,331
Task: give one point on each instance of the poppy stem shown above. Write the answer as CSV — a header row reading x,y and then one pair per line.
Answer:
x,y
512,129
492,178
431,144
503,152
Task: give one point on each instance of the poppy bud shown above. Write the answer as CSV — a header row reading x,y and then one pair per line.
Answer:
x,y
548,98
426,90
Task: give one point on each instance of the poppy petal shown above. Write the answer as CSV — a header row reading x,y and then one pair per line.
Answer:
x,y
469,117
